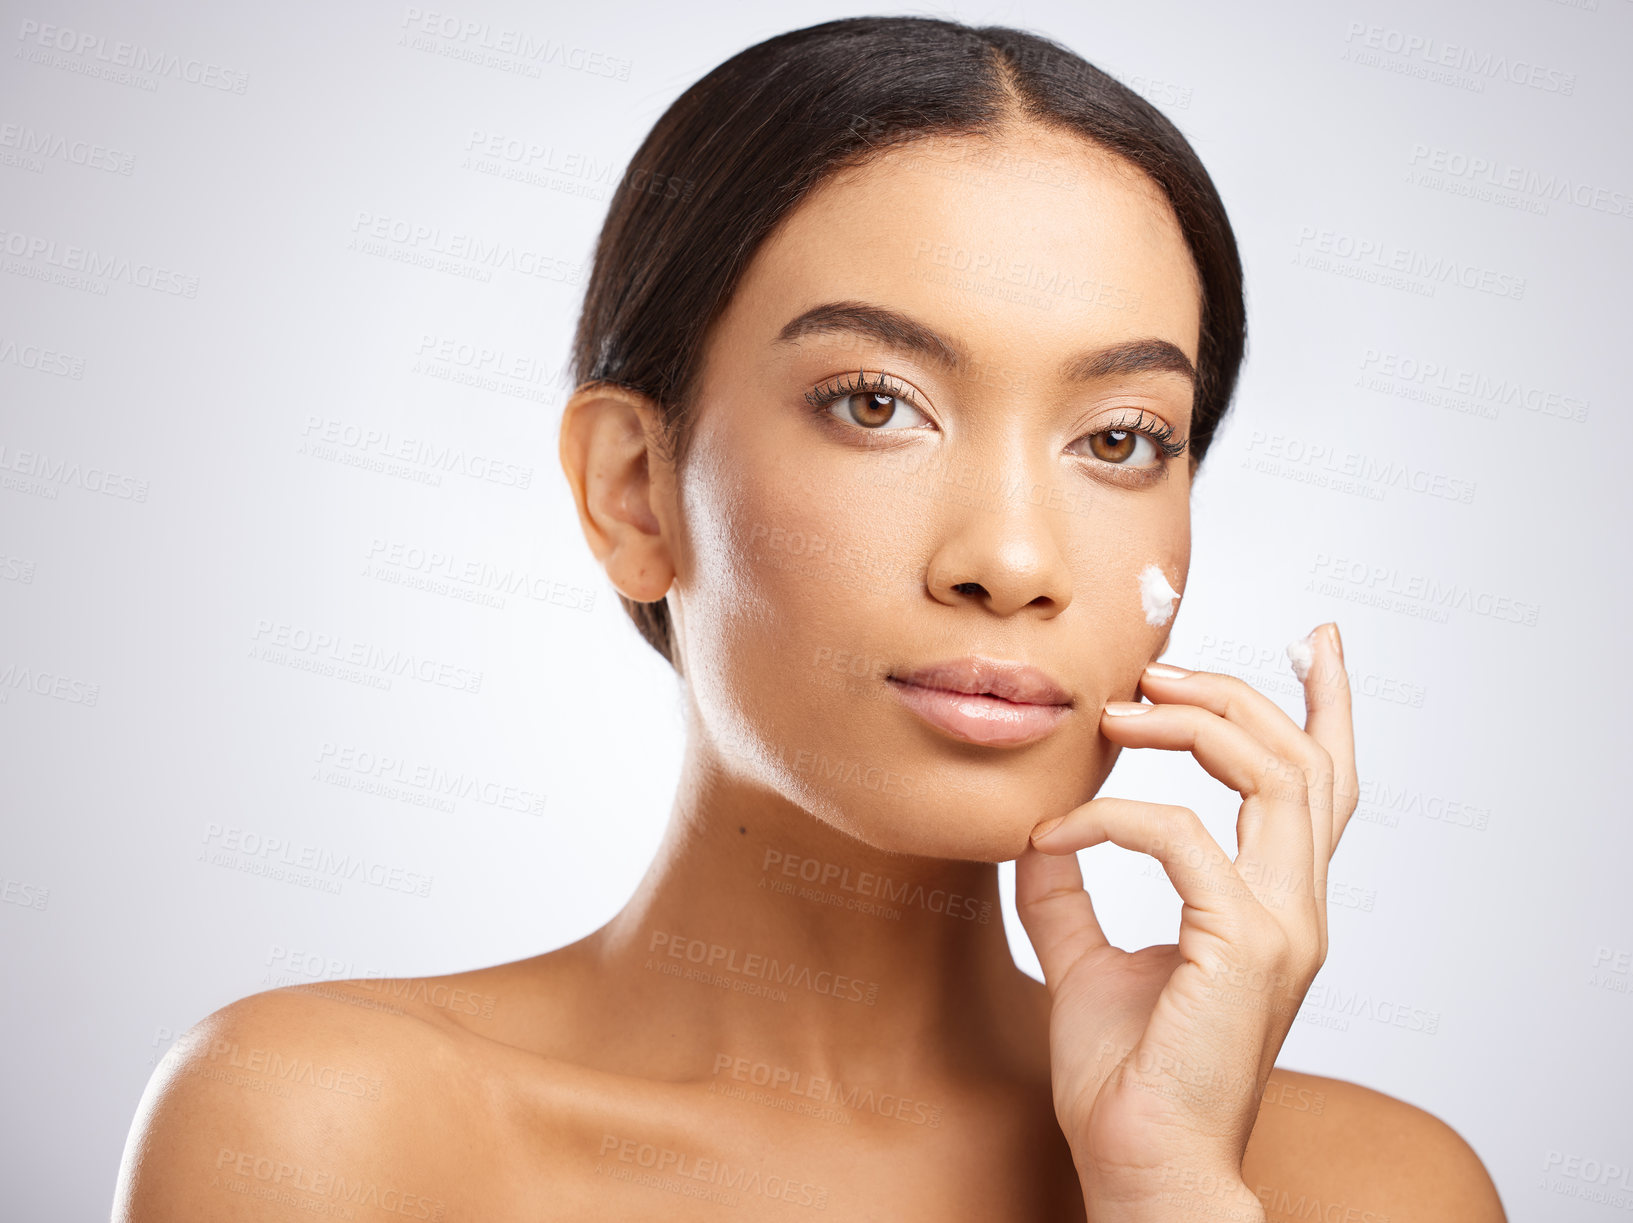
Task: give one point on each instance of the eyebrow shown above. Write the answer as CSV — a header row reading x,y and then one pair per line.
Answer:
x,y
900,331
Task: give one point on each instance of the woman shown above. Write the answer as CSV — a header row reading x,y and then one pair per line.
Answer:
x,y
904,343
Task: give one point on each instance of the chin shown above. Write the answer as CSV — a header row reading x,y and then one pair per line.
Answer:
x,y
989,822
854,759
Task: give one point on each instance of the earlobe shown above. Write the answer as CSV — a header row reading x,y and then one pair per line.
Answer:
x,y
607,452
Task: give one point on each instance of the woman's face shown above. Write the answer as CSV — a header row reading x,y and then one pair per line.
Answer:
x,y
927,429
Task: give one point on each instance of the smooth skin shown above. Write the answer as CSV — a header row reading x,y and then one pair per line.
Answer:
x,y
1159,1122
815,541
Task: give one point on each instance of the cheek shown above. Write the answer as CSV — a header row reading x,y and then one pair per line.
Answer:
x,y
803,584
785,577
1132,586
793,606
1159,587
1157,596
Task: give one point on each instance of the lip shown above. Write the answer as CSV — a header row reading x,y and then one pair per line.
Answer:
x,y
983,700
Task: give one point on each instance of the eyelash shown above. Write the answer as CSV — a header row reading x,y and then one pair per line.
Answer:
x,y
1159,431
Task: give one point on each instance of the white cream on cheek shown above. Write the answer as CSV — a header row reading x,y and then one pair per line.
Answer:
x,y
1156,596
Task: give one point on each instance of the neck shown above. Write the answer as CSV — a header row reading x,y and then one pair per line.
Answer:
x,y
762,932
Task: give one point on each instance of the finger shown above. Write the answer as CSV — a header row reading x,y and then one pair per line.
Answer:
x,y
1329,720
1231,698
1222,906
1274,829
1238,959
1238,701
1056,912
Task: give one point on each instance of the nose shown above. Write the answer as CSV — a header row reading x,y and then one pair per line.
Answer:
x,y
1002,552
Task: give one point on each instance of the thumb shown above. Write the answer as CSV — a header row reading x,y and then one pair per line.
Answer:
x,y
1056,911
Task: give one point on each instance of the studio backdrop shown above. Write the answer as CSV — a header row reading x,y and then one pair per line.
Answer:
x,y
306,670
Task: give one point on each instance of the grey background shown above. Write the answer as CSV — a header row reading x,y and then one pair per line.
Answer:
x,y
1481,892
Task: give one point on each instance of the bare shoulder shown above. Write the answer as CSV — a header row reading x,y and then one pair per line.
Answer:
x,y
298,1098
1325,1145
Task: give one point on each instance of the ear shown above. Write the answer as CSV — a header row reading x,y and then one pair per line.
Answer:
x,y
609,447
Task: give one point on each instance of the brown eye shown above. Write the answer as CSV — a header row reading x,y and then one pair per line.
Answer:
x,y
871,408
1113,445
1150,442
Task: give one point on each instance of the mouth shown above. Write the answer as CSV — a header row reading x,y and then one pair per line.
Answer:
x,y
984,701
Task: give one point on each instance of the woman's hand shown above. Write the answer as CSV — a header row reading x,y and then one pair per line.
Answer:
x,y
1160,1056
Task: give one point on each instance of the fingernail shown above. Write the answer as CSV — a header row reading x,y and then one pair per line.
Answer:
x,y
1161,670
1337,641
1048,826
1301,654
1123,709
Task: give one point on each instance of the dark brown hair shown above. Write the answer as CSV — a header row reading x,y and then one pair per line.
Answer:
x,y
744,145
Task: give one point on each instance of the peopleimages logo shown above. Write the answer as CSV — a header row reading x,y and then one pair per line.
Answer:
x,y
1498,175
1469,391
874,886
1384,262
431,246
758,967
258,854
278,641
384,772
96,266
480,43
448,573
15,678
97,56
53,473
1424,54
852,1096
382,449
34,146
1344,576
41,360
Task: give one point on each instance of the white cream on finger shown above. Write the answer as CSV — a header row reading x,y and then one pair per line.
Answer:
x,y
1302,655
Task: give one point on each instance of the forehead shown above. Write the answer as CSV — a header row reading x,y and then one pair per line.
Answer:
x,y
1023,245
